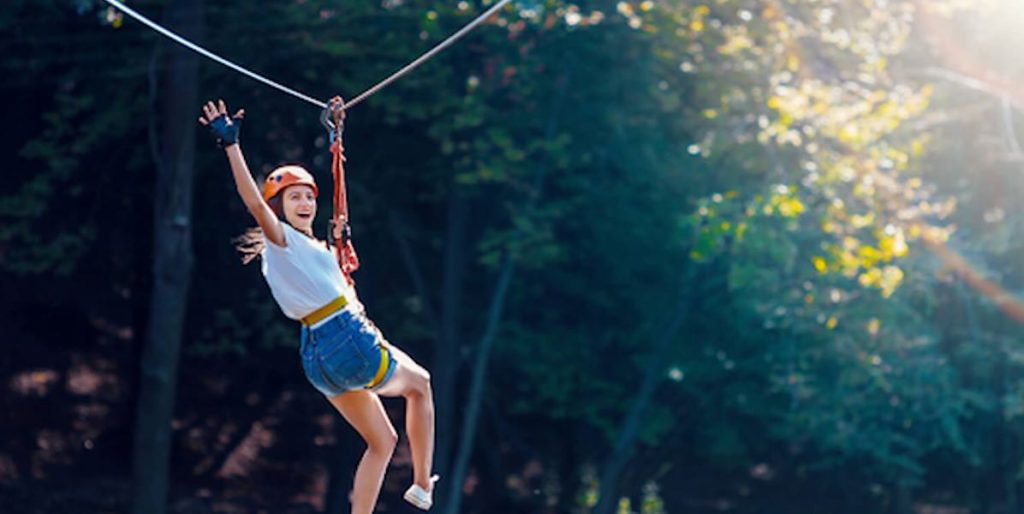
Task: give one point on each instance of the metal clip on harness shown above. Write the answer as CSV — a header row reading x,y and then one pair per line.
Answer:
x,y
332,118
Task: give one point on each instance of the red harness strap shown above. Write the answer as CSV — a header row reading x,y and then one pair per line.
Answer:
x,y
343,249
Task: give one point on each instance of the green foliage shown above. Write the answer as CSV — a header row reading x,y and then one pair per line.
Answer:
x,y
255,322
782,148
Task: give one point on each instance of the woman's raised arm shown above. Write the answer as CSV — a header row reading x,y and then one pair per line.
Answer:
x,y
225,130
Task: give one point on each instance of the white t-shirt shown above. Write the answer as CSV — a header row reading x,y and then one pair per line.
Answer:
x,y
304,275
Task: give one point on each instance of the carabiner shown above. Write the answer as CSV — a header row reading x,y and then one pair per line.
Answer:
x,y
332,117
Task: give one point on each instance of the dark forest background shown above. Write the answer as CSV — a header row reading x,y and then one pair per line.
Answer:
x,y
668,256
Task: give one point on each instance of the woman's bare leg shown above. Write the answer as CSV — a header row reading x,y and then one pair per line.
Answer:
x,y
363,410
411,381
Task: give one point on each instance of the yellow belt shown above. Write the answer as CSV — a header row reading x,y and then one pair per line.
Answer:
x,y
321,314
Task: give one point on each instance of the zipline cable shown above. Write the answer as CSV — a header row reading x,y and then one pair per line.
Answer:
x,y
323,105
210,55
433,51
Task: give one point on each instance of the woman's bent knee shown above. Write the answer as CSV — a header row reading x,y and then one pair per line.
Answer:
x,y
419,384
383,443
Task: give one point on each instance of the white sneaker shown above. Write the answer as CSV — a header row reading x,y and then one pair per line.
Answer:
x,y
420,498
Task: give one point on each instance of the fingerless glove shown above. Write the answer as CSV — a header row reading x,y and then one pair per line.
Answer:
x,y
225,130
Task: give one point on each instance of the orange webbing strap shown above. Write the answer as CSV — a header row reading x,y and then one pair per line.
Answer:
x,y
343,249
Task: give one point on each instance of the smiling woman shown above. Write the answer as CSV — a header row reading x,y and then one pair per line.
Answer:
x,y
290,191
343,354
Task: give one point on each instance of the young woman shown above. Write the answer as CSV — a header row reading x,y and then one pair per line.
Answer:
x,y
344,355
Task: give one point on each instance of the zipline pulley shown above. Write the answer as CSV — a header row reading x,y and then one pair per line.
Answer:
x,y
332,118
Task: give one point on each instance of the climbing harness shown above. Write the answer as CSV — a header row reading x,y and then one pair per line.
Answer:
x,y
323,105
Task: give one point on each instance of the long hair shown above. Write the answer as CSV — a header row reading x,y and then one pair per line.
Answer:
x,y
251,243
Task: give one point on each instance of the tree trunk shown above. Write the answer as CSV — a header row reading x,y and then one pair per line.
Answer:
x,y
419,283
904,503
467,435
172,263
653,375
475,398
344,458
444,372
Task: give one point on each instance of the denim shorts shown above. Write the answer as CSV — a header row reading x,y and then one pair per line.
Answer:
x,y
343,354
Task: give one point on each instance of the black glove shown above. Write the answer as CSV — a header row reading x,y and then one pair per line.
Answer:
x,y
225,130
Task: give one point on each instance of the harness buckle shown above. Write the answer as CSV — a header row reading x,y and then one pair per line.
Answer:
x,y
346,232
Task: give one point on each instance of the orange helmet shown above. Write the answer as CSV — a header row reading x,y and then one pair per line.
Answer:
x,y
285,176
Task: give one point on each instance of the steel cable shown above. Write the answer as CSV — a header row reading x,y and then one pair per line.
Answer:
x,y
323,105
